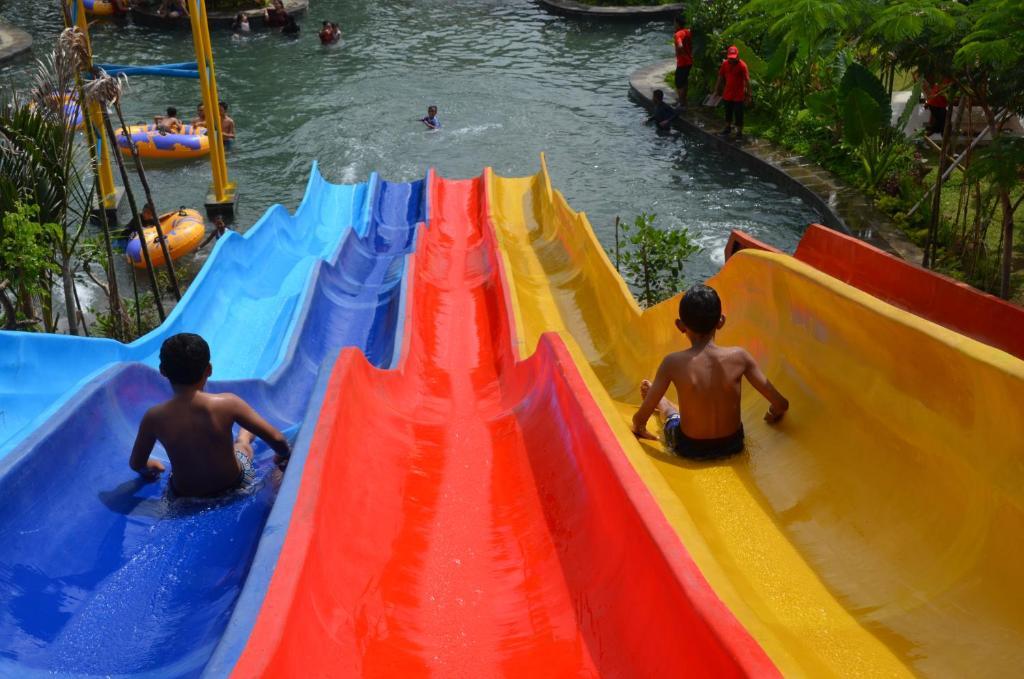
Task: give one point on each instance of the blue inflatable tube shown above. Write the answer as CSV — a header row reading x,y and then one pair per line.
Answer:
x,y
187,69
100,573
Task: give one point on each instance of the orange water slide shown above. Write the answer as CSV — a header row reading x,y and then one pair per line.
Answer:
x,y
471,514
920,291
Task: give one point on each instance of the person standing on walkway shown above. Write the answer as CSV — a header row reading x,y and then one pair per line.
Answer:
x,y
734,87
937,103
683,40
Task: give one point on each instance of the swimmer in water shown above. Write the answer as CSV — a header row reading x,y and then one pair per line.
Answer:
x,y
430,120
241,24
329,33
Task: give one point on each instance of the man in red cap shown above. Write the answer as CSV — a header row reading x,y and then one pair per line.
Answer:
x,y
734,87
683,39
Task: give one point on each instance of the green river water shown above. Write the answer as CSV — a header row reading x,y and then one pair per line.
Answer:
x,y
511,81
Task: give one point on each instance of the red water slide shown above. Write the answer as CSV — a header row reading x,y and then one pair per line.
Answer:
x,y
472,515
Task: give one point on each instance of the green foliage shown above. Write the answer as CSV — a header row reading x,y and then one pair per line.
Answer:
x,y
857,77
26,265
652,259
104,323
1000,164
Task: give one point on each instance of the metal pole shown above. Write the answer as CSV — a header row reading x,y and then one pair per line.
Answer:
x,y
211,102
108,190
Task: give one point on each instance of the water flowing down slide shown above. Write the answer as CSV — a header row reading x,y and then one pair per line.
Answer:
x,y
877,531
244,302
100,573
470,514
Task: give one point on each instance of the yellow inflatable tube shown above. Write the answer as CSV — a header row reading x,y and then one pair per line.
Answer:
x,y
100,8
191,142
879,529
184,231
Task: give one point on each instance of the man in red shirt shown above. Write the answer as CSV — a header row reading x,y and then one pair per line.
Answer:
x,y
684,58
734,87
937,103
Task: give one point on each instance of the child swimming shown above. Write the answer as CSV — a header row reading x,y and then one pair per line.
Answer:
x,y
195,427
708,378
430,120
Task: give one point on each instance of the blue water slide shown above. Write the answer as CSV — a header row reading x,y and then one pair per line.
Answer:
x,y
101,574
243,302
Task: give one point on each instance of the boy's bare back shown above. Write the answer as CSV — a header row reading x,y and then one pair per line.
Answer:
x,y
709,381
195,427
197,435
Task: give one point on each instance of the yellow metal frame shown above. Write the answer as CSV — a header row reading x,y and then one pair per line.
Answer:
x,y
222,189
105,172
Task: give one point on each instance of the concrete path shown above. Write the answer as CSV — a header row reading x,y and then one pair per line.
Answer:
x,y
13,42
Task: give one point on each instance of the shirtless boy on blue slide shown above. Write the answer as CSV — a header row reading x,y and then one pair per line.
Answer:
x,y
708,379
195,427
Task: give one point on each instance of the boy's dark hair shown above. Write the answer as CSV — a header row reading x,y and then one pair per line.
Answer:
x,y
658,95
172,112
700,309
184,358
223,105
680,19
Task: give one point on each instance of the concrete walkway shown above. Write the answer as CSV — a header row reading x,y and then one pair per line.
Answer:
x,y
971,122
842,207
13,42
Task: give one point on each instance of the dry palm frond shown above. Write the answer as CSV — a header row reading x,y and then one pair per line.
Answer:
x,y
104,88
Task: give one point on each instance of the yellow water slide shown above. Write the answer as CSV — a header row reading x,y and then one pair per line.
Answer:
x,y
878,530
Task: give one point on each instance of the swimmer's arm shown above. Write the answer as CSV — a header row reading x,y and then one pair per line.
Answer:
x,y
658,388
758,380
252,421
144,442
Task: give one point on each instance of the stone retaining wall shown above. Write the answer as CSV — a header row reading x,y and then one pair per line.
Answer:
x,y
13,42
570,8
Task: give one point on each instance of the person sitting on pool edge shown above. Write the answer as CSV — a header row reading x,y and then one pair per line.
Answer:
x,y
168,124
195,427
708,378
430,120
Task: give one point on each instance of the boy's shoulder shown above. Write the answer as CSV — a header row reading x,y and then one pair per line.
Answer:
x,y
735,353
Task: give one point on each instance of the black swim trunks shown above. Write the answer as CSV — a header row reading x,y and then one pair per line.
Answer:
x,y
701,449
682,76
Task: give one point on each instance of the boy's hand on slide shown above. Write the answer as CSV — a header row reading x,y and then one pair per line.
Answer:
x,y
771,417
153,470
643,434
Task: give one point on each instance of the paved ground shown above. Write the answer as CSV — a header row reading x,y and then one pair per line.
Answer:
x,y
13,41
643,12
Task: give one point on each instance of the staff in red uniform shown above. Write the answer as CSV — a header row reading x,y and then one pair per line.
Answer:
x,y
937,104
683,40
734,87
